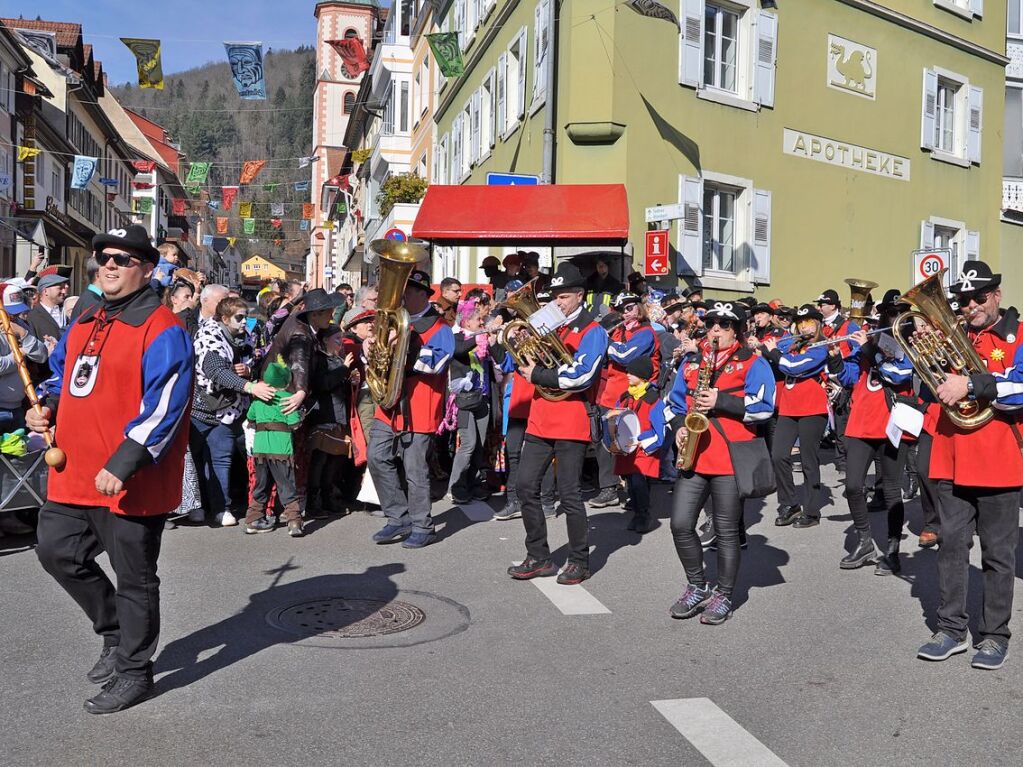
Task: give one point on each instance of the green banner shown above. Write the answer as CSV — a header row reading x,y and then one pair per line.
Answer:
x,y
145,205
198,172
447,52
249,226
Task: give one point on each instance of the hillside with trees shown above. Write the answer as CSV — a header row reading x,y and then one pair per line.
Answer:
x,y
203,113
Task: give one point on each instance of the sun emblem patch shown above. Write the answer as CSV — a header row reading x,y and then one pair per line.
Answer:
x,y
998,354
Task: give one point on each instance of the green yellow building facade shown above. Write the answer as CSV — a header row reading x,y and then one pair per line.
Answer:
x,y
789,147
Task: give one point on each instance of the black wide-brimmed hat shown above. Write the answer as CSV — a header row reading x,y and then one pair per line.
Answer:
x,y
420,279
624,299
809,312
726,310
318,299
829,296
134,238
567,276
975,275
762,307
890,302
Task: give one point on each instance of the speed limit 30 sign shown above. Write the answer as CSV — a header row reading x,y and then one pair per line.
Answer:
x,y
927,263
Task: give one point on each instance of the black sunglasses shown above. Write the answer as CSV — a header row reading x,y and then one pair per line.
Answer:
x,y
121,259
977,296
724,324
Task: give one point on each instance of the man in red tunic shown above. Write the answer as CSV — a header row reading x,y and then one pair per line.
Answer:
x,y
121,389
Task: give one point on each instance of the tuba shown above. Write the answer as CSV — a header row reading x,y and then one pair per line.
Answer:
x,y
528,343
860,302
941,346
385,362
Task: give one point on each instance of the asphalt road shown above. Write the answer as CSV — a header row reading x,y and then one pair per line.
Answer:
x,y
816,667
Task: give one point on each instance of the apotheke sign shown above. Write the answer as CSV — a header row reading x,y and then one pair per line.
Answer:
x,y
846,155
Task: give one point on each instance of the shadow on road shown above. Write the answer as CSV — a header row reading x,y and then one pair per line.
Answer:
x,y
247,633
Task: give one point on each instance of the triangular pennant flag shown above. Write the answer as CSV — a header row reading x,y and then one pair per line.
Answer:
x,y
222,225
249,225
277,209
227,195
178,206
144,166
245,210
26,152
147,57
308,210
231,241
250,170
83,171
447,52
301,186
198,172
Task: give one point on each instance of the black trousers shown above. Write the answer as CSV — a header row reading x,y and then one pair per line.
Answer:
x,y
128,616
513,450
994,514
808,429
534,462
765,430
841,418
606,477
691,493
860,454
639,492
930,501
281,474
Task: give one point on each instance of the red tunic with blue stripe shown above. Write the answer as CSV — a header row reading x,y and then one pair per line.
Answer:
x,y
624,346
646,458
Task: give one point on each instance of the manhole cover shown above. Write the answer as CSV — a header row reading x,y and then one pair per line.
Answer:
x,y
343,618
369,621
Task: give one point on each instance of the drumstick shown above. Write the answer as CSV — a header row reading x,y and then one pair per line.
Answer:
x,y
54,457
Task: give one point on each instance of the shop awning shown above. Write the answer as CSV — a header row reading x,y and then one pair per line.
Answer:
x,y
561,213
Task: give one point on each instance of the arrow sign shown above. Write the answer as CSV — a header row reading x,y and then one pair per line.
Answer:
x,y
657,262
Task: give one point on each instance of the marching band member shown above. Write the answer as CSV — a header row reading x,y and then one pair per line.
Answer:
x,y
403,433
979,473
561,431
878,376
835,324
763,325
802,415
644,463
740,395
631,339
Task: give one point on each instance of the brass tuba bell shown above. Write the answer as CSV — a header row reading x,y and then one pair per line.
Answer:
x,y
385,361
860,302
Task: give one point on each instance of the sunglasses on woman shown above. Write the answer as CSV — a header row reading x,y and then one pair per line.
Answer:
x,y
121,259
723,324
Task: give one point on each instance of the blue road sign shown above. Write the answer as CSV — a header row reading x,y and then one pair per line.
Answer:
x,y
512,179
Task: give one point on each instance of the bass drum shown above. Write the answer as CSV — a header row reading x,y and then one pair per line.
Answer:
x,y
621,432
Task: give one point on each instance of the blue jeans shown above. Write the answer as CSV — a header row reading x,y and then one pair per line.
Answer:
x,y
213,448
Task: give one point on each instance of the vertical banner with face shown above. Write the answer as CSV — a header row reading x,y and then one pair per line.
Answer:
x,y
147,56
246,60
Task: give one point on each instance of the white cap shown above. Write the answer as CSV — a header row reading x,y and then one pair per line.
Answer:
x,y
14,299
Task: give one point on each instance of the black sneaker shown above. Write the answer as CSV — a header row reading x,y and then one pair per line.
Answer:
x,y
787,515
708,537
533,568
573,573
606,497
692,599
104,668
121,692
717,610
508,512
806,520
261,525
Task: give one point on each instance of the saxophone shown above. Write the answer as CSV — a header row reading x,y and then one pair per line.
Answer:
x,y
696,422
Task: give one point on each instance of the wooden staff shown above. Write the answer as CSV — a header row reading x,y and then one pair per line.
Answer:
x,y
54,457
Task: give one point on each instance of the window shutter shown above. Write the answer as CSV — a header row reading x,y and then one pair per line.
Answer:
x,y
761,266
523,54
767,44
456,149
976,123
502,121
972,246
492,95
463,33
690,58
474,118
539,51
926,235
930,108
691,227
977,6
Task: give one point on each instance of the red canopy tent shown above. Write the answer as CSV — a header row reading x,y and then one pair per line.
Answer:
x,y
554,214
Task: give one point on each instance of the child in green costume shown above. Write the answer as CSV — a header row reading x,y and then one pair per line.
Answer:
x,y
274,456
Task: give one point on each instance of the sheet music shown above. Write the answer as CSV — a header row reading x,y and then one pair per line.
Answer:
x,y
547,319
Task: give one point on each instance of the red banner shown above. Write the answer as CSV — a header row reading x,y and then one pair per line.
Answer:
x,y
178,205
144,166
353,55
276,223
308,210
227,195
222,225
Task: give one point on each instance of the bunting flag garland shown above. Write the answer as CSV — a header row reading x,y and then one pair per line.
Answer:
x,y
145,205
301,186
342,207
141,185
109,181
178,206
213,204
147,57
308,210
207,240
144,166
231,241
276,223
83,171
304,162
245,210
304,225
277,209
447,52
249,225
246,60
227,195
222,225
193,189
278,242
27,152
250,170
354,60
198,172
270,187
654,9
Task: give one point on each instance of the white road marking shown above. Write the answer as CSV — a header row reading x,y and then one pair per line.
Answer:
x,y
477,511
721,740
571,600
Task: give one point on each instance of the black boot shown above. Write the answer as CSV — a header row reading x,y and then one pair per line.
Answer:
x,y
889,563
314,505
864,553
787,515
121,692
104,668
912,490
